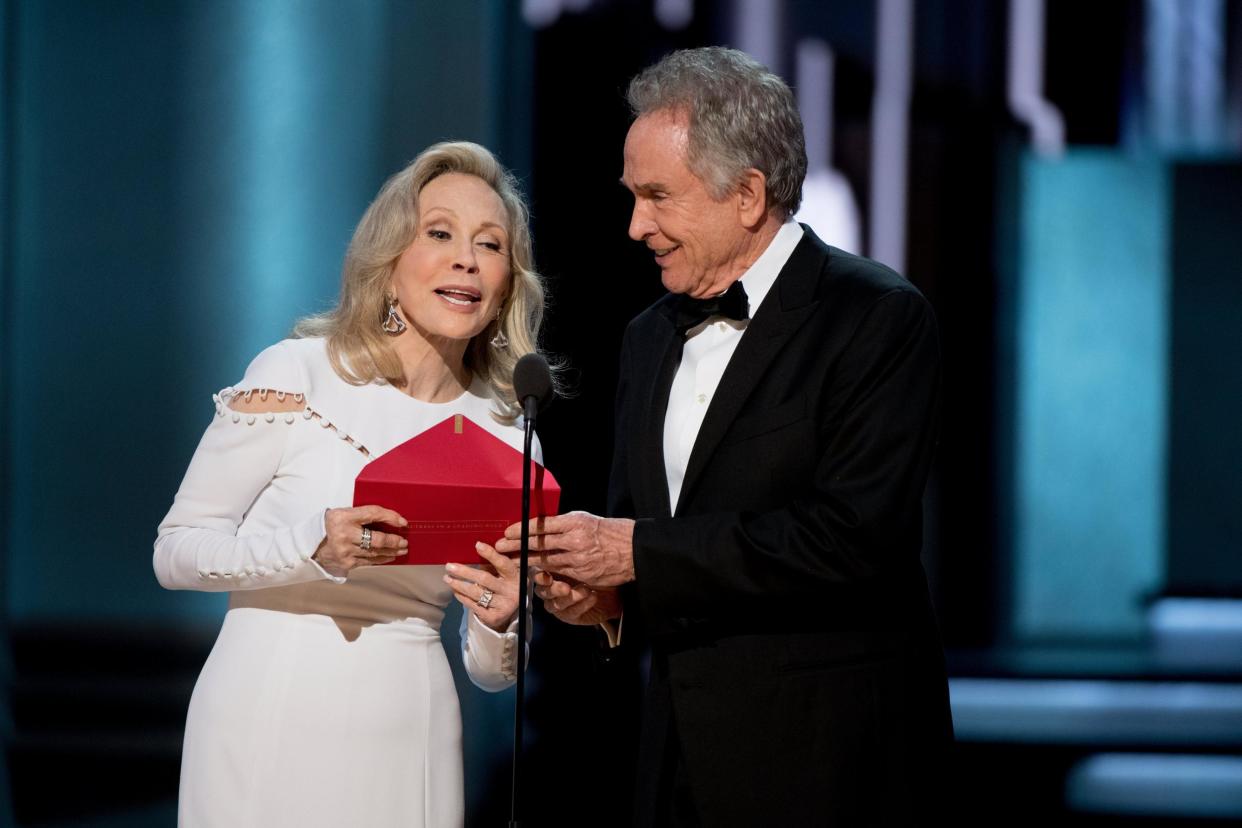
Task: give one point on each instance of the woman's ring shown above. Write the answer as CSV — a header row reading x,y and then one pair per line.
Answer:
x,y
365,543
485,600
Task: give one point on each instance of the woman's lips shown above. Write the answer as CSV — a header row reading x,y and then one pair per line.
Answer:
x,y
461,297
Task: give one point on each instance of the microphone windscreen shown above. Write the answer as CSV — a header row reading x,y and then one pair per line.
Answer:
x,y
532,378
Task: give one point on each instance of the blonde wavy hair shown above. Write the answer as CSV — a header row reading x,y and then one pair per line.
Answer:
x,y
359,350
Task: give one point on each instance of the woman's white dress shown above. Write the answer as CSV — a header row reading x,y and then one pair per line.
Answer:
x,y
325,701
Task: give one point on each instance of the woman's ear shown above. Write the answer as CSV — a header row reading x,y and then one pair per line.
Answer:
x,y
508,294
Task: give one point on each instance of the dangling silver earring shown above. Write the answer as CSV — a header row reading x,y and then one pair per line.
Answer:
x,y
393,325
499,341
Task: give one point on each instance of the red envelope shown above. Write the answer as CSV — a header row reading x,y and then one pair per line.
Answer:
x,y
456,483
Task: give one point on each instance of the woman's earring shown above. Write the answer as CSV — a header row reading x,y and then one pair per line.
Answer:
x,y
393,325
499,341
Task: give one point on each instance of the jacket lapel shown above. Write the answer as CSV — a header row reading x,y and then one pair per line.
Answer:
x,y
666,352
787,306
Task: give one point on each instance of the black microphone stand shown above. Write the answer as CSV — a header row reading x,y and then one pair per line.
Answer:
x,y
530,404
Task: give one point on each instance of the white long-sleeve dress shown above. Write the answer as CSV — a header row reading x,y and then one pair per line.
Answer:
x,y
325,701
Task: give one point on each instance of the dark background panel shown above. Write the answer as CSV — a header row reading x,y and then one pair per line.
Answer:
x,y
1205,399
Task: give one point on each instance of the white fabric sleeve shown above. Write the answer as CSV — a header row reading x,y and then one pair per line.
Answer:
x,y
197,545
490,657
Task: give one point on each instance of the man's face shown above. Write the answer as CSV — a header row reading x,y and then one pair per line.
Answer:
x,y
699,242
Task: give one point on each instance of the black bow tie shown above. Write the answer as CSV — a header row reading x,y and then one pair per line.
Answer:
x,y
732,304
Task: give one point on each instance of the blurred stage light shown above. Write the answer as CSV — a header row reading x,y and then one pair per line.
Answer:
x,y
1050,711
1152,784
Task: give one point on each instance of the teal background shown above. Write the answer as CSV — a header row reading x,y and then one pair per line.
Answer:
x,y
1091,384
183,186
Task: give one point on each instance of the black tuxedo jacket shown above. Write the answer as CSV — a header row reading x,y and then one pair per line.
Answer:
x,y
795,655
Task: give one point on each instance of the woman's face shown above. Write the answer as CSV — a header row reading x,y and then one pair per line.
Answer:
x,y
450,282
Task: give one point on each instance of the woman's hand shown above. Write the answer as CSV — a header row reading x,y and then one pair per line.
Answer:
x,y
497,578
576,603
341,548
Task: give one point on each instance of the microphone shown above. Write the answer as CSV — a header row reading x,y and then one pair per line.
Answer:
x,y
532,383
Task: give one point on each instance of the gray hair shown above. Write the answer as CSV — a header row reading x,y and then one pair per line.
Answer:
x,y
742,116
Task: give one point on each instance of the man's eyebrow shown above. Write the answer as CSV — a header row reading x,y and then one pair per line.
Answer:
x,y
645,189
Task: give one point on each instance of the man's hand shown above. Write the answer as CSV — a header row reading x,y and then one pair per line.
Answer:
x,y
595,551
576,603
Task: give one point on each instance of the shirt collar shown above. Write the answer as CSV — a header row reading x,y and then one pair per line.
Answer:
x,y
760,276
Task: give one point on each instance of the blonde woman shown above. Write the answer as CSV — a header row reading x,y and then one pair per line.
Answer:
x,y
327,699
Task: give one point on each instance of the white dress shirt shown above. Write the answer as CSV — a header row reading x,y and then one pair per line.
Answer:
x,y
707,352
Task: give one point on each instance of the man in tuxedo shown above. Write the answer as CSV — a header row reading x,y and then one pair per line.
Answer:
x,y
776,418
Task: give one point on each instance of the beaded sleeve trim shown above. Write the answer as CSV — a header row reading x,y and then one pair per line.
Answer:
x,y
308,413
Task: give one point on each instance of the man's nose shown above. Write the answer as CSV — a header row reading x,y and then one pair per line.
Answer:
x,y
641,225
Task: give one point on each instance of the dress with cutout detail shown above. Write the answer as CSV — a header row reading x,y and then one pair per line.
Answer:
x,y
325,701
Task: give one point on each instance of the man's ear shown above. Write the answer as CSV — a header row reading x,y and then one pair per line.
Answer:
x,y
752,198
